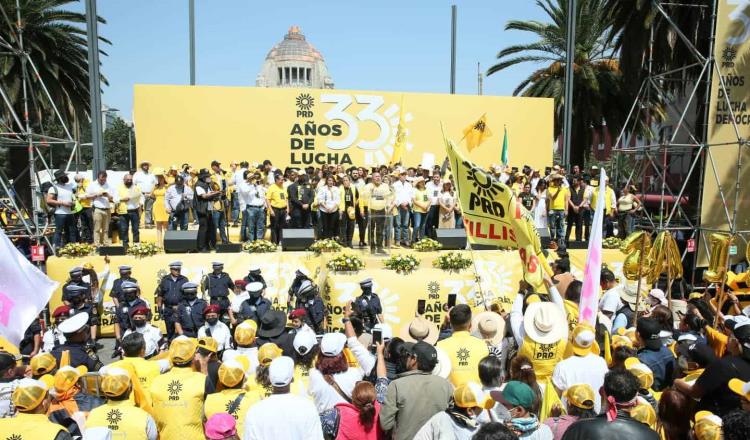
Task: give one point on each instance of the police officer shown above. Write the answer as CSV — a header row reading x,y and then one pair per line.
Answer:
x,y
76,332
153,339
308,298
254,275
367,305
190,311
76,279
218,284
300,275
129,300
255,306
76,295
53,336
168,294
116,292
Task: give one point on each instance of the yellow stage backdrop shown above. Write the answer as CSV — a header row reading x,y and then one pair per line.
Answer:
x,y
496,279
299,127
732,48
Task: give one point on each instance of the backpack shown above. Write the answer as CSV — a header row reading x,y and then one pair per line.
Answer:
x,y
44,188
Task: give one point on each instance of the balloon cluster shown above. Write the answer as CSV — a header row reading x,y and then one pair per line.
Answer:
x,y
653,259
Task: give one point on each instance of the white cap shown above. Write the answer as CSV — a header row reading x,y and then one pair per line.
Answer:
x,y
385,330
658,295
74,323
281,371
304,341
332,344
254,268
255,286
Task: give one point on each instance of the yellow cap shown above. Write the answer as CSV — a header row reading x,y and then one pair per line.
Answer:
x,y
644,413
641,371
67,376
244,334
29,393
5,345
533,299
88,266
580,395
267,353
182,349
619,341
232,372
42,363
208,343
470,395
115,382
582,341
740,388
707,426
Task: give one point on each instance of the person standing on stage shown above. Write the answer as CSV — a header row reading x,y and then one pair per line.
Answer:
x,y
276,198
328,207
252,195
433,188
348,205
403,199
146,181
128,202
178,201
168,295
204,209
219,214
301,197
102,194
380,198
61,196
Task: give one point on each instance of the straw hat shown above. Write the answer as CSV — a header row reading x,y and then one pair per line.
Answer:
x,y
420,329
544,323
159,171
489,326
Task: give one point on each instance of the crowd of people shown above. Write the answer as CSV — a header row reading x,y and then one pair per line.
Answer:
x,y
231,365
385,206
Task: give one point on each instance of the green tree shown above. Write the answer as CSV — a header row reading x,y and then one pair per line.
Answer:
x,y
117,141
599,100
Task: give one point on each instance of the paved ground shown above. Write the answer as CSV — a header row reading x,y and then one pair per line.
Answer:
x,y
105,354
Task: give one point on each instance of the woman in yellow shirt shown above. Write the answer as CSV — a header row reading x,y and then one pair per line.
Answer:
x,y
160,209
420,206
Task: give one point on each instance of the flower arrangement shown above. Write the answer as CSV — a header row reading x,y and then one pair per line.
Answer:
x,y
345,263
452,261
259,246
325,245
427,245
144,249
402,263
75,250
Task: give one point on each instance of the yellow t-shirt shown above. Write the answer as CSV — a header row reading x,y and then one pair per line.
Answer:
x,y
571,310
177,398
465,351
608,196
81,194
380,197
221,401
558,203
420,196
543,357
276,196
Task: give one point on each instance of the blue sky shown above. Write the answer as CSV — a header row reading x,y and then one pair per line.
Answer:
x,y
386,45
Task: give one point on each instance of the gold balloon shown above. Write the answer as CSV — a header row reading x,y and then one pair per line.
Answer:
x,y
665,258
632,246
717,261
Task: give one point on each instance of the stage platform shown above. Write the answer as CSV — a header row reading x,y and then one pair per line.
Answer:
x,y
493,278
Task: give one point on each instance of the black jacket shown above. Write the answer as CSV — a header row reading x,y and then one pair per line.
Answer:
x,y
622,428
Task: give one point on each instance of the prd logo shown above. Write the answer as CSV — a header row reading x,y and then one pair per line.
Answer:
x,y
305,102
174,389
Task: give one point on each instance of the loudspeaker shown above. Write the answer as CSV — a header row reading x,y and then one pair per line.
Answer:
x,y
112,250
544,237
578,244
181,241
228,248
297,239
451,239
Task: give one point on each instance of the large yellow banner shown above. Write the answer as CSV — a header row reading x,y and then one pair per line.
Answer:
x,y
300,127
728,104
493,278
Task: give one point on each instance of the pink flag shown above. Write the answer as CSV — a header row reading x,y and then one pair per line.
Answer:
x,y
24,291
589,302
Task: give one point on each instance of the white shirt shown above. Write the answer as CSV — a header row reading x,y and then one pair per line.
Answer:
x,y
270,177
144,181
325,396
237,301
152,336
589,369
251,195
433,191
283,416
237,177
610,301
404,192
95,189
175,195
48,339
133,195
220,332
329,198
63,193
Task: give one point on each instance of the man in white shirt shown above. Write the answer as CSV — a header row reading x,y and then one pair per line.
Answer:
x,y
584,366
610,301
252,198
128,200
434,187
54,337
215,329
152,337
403,196
177,201
282,415
146,182
103,194
237,177
61,197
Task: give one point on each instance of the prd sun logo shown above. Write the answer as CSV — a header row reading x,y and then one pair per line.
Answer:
x,y
463,356
114,417
433,287
14,437
174,389
483,184
305,101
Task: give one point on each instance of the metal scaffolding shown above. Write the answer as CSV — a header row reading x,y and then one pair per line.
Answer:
x,y
649,164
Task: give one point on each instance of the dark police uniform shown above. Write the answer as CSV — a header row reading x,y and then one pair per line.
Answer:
x,y
218,287
72,291
116,291
170,292
122,313
190,316
67,293
254,308
316,312
255,277
367,305
80,354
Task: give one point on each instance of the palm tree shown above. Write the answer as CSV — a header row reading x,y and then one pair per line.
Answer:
x,y
55,39
599,101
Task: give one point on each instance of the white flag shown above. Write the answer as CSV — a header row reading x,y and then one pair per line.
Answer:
x,y
589,302
24,291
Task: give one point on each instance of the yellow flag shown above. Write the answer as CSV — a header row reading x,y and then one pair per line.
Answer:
x,y
494,216
399,148
477,133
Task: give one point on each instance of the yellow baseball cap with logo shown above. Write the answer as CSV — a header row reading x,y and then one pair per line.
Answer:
x,y
42,363
644,413
208,343
67,376
641,371
232,371
582,341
